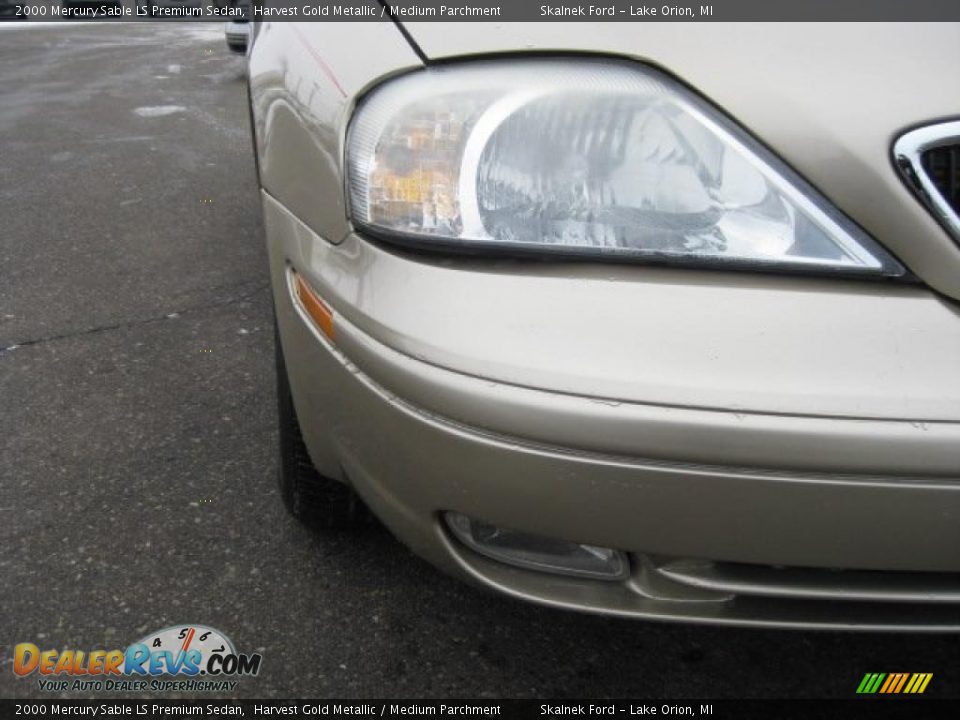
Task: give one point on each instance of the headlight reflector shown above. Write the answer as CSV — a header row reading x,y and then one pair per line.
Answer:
x,y
579,157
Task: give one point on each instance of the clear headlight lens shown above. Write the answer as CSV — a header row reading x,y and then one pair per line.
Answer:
x,y
583,157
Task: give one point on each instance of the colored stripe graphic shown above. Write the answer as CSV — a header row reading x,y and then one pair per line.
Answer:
x,y
918,683
870,683
894,683
891,679
903,679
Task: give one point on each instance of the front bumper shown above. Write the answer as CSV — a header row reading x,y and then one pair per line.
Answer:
x,y
728,516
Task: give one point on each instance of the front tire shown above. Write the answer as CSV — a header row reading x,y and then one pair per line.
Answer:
x,y
309,496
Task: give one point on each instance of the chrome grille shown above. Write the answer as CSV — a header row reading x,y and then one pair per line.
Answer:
x,y
942,165
929,162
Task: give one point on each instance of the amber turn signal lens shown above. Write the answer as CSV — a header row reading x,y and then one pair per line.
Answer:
x,y
316,308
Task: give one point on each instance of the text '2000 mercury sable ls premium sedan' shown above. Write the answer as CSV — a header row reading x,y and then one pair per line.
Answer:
x,y
663,324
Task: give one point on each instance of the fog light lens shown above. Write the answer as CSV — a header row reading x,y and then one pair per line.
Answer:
x,y
536,552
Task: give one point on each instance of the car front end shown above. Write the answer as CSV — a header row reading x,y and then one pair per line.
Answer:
x,y
615,319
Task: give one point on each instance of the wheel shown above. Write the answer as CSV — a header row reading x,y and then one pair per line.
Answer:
x,y
309,496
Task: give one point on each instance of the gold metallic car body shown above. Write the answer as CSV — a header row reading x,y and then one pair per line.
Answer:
x,y
768,449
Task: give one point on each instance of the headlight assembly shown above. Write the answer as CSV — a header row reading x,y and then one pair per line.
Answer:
x,y
584,157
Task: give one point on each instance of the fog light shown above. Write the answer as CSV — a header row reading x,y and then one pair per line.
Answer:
x,y
536,552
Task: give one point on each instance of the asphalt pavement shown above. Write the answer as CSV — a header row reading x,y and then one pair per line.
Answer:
x,y
138,449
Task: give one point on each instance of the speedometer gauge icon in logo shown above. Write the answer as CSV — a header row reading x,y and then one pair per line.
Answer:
x,y
182,639
189,650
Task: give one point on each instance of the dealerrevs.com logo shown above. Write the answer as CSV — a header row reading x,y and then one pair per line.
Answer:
x,y
177,658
